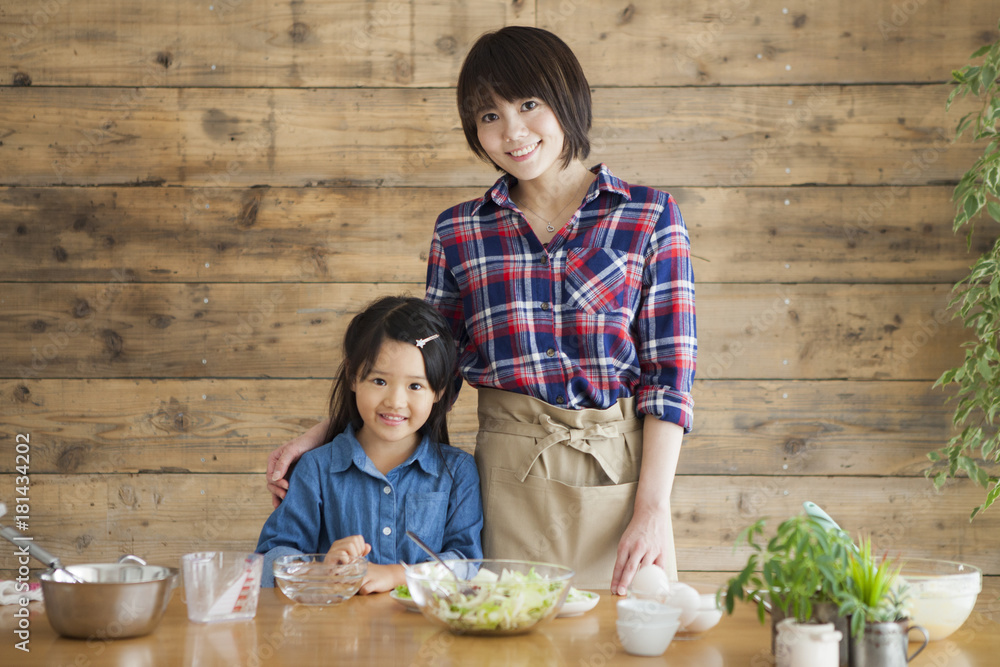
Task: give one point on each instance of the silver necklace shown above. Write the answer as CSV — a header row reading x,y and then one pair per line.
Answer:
x,y
548,224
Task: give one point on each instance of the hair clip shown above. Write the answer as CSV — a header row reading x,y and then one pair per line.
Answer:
x,y
423,341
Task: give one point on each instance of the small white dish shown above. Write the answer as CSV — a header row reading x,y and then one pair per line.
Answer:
x,y
631,610
583,601
646,639
407,603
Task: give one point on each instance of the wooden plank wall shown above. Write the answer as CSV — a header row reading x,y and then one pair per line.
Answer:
x,y
195,198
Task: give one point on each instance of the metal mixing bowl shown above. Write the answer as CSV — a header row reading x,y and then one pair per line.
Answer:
x,y
116,600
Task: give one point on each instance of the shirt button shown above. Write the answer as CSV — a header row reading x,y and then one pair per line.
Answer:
x,y
550,352
387,531
543,261
545,305
559,399
387,490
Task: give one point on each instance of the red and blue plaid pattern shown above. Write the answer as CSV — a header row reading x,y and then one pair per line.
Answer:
x,y
605,311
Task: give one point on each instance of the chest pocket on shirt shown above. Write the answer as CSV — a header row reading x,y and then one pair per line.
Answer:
x,y
425,514
600,280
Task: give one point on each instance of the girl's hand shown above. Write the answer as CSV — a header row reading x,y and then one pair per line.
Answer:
x,y
286,455
382,578
347,549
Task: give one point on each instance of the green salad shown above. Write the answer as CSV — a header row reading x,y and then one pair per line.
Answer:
x,y
509,601
576,595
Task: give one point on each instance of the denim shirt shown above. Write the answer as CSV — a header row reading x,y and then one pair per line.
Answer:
x,y
336,491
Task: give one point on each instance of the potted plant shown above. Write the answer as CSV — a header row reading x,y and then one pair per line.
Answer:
x,y
976,449
799,573
875,600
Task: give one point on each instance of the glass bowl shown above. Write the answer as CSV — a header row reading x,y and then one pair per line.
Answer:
x,y
495,597
942,593
310,579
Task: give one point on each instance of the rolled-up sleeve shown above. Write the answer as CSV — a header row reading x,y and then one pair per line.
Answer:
x,y
667,336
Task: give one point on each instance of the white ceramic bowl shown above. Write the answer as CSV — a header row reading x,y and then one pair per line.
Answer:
x,y
942,593
633,610
709,612
647,639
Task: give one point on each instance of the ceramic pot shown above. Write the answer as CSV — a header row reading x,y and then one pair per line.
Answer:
x,y
807,644
824,612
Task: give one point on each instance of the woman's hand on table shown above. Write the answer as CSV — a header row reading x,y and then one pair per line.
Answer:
x,y
644,542
648,539
280,459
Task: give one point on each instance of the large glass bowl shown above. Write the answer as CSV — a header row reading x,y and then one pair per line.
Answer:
x,y
314,579
942,593
494,597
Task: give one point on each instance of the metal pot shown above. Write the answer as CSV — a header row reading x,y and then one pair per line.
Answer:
x,y
99,600
115,600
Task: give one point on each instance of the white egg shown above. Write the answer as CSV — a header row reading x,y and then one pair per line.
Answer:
x,y
651,580
687,598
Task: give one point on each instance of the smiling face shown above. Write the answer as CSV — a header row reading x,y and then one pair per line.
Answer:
x,y
522,137
394,399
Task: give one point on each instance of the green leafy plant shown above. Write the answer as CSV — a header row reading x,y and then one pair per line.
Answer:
x,y
804,564
871,594
977,296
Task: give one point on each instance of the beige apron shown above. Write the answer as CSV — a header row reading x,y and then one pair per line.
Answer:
x,y
558,485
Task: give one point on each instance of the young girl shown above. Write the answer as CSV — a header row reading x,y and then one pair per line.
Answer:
x,y
386,467
570,295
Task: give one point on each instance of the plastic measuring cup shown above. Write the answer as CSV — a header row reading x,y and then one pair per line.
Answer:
x,y
221,585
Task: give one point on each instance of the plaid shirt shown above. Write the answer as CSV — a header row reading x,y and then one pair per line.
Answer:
x,y
604,311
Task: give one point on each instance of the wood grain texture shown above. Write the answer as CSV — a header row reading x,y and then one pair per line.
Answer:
x,y
255,43
230,426
123,513
293,330
744,42
247,43
760,235
196,197
218,137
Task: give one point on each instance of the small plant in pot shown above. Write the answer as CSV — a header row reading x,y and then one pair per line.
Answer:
x,y
798,573
876,602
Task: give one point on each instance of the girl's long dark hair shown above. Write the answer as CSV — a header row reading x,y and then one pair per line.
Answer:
x,y
403,319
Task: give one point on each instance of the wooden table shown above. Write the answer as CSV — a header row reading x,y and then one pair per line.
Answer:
x,y
375,630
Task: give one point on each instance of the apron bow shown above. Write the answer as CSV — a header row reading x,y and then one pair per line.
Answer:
x,y
586,440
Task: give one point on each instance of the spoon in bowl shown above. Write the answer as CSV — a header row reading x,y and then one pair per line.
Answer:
x,y
465,589
59,573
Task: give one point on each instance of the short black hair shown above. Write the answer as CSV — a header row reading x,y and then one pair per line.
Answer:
x,y
518,62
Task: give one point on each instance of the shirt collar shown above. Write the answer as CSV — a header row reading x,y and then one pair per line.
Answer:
x,y
499,192
347,450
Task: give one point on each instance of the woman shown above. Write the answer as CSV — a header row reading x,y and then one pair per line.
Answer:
x,y
571,298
